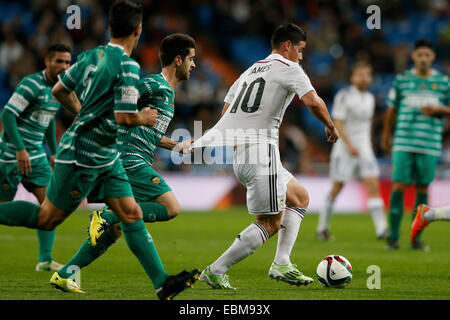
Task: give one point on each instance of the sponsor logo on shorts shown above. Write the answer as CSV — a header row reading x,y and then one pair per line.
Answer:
x,y
156,180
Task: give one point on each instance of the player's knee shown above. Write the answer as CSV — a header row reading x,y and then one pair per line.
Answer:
x,y
173,210
133,214
299,200
48,221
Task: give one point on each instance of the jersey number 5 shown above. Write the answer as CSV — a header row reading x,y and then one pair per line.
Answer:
x,y
245,103
87,80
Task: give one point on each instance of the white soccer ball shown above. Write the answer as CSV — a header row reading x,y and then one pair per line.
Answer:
x,y
334,271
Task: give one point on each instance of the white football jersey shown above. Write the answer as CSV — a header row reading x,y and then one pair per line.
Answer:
x,y
355,108
258,101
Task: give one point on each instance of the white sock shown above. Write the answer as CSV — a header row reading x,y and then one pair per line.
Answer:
x,y
376,208
437,214
290,224
244,245
325,214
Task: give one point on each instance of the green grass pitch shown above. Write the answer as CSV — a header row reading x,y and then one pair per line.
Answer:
x,y
193,240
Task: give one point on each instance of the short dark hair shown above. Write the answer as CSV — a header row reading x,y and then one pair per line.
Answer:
x,y
287,31
57,47
177,44
124,17
360,65
423,43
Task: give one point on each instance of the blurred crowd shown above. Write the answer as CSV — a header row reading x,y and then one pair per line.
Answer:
x,y
230,35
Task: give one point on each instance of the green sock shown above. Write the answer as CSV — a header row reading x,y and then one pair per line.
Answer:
x,y
395,214
141,244
46,239
151,212
19,214
420,199
87,254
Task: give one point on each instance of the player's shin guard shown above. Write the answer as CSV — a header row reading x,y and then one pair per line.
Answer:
x,y
86,255
19,214
290,224
141,244
395,215
244,245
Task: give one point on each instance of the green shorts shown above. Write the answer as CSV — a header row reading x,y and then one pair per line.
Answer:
x,y
146,183
10,177
410,167
71,184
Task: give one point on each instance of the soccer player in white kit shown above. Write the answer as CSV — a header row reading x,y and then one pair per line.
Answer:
x,y
352,156
252,114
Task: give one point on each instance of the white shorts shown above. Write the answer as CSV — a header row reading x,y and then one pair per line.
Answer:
x,y
259,169
344,167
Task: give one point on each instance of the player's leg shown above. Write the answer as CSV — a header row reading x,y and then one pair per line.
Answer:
x,y
36,183
402,163
425,167
297,201
376,207
247,241
323,227
424,216
45,239
154,196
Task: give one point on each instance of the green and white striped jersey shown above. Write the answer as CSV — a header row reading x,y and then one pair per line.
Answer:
x,y
105,80
137,145
35,107
414,131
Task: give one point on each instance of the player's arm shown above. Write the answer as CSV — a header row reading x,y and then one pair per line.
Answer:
x,y
431,110
24,94
50,138
343,135
319,110
67,98
225,108
181,147
126,95
9,121
388,127
146,117
64,89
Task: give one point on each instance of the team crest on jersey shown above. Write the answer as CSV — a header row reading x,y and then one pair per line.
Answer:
x,y
156,180
434,86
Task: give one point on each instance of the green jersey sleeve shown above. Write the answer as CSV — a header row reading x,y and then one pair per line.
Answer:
x,y
24,94
393,98
126,93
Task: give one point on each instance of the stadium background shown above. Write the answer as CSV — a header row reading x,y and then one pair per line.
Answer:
x,y
230,35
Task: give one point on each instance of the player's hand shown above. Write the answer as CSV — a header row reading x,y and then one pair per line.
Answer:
x,y
150,115
52,161
23,162
430,110
353,151
184,147
332,134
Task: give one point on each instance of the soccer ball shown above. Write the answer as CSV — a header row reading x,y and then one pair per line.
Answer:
x,y
334,271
